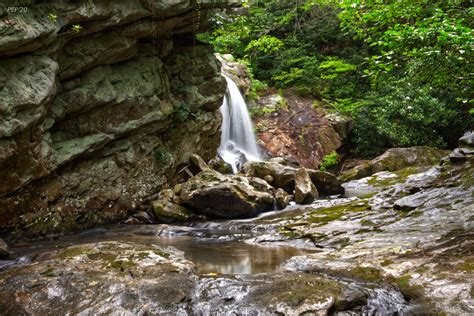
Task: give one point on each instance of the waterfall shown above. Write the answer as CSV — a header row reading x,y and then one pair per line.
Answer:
x,y
238,142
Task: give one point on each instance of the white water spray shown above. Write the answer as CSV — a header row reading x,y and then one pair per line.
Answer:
x,y
238,143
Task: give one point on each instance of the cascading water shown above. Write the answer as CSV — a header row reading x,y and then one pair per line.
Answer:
x,y
238,143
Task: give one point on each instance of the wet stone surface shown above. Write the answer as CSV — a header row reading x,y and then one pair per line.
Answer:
x,y
405,248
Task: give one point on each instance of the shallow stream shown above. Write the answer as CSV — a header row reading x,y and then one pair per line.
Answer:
x,y
217,252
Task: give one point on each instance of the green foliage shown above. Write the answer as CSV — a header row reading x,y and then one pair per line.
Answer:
x,y
429,43
405,115
76,28
329,161
53,17
365,58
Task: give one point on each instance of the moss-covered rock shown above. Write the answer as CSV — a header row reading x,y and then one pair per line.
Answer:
x,y
226,196
395,159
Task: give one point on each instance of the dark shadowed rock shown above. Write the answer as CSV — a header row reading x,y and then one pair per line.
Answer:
x,y
4,250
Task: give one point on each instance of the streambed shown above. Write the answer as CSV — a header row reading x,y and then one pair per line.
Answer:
x,y
218,269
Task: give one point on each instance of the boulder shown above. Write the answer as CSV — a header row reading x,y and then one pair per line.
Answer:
x,y
395,159
326,182
284,176
467,140
220,165
282,198
305,190
226,196
341,124
167,211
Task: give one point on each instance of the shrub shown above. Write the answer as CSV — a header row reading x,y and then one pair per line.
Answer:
x,y
329,161
404,115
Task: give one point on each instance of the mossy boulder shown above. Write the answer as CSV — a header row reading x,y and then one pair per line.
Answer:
x,y
226,196
395,159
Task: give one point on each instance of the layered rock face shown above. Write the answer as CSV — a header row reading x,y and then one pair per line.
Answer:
x,y
100,105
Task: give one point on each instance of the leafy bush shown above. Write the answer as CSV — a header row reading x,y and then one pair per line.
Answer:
x,y
404,115
329,161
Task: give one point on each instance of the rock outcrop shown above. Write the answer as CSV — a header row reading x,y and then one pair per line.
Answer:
x,y
395,159
299,128
101,105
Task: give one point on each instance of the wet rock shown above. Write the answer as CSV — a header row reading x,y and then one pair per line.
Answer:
x,y
4,250
297,294
284,176
305,191
167,211
326,183
140,217
282,198
467,140
105,277
395,159
236,71
220,165
226,196
269,179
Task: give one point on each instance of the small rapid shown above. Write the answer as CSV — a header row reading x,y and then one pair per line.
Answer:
x,y
238,142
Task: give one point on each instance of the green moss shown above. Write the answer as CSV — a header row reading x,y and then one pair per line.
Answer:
x,y
465,266
362,273
48,272
409,291
73,252
101,256
161,254
386,262
401,176
415,214
326,215
367,230
329,161
367,222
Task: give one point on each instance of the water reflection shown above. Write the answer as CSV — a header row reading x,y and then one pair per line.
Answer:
x,y
232,257
206,248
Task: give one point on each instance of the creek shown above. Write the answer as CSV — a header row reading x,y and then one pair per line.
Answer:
x,y
225,259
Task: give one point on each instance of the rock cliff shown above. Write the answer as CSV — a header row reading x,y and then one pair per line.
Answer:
x,y
100,106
